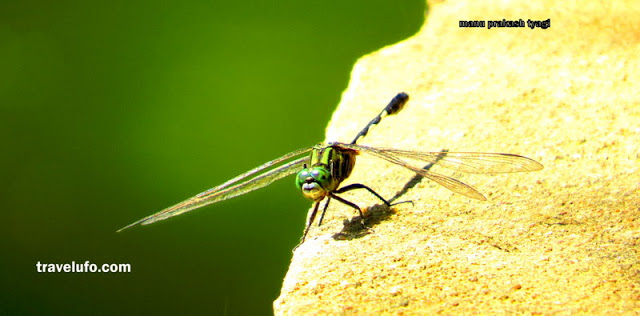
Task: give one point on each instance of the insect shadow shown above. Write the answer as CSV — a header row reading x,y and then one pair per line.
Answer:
x,y
352,228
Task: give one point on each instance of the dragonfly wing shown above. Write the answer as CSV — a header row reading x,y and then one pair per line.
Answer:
x,y
227,190
262,167
449,183
469,162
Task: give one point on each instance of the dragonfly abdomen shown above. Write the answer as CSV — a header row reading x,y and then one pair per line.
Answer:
x,y
396,104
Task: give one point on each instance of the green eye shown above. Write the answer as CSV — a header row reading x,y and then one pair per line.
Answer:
x,y
302,175
319,174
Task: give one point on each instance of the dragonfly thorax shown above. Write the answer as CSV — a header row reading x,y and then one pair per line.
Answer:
x,y
330,165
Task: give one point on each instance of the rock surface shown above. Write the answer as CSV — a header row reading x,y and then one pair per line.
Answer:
x,y
565,239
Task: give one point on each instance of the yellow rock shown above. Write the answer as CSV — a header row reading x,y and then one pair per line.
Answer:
x,y
565,239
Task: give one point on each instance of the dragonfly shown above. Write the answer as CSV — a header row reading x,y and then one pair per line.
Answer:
x,y
323,167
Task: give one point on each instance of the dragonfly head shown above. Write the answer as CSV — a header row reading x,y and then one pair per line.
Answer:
x,y
313,181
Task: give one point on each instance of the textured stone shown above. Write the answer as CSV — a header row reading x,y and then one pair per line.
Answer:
x,y
564,239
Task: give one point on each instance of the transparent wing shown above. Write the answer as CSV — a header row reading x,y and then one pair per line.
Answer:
x,y
229,189
466,162
471,162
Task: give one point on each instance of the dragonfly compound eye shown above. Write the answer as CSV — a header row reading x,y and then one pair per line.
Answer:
x,y
313,182
320,174
302,177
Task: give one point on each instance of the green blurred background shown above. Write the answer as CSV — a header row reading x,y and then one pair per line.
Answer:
x,y
111,111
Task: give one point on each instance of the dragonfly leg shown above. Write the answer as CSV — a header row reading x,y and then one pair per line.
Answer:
x,y
324,210
311,218
352,205
362,186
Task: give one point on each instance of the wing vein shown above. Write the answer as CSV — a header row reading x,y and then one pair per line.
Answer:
x,y
229,189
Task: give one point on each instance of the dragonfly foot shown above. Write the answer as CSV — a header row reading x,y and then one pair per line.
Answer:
x,y
298,245
408,201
